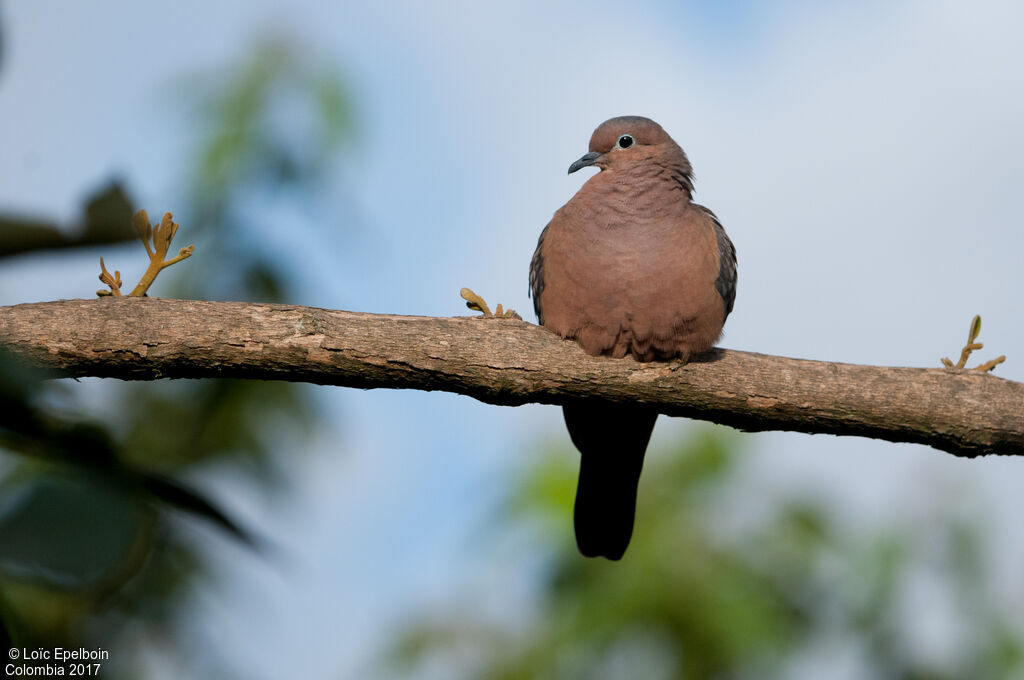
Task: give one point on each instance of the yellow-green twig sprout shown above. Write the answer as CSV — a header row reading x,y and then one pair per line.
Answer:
x,y
972,335
157,240
476,303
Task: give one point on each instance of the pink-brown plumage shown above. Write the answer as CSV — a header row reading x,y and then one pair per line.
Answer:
x,y
629,265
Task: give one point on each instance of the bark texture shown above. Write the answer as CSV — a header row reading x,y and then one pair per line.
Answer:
x,y
510,362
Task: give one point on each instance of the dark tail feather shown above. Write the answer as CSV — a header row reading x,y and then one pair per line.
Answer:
x,y
612,439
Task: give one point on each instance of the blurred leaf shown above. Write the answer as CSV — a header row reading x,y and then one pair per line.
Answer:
x,y
67,534
335,111
108,214
276,116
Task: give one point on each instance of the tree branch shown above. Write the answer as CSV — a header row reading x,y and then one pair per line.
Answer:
x,y
510,362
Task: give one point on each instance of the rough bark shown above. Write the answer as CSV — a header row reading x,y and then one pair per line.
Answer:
x,y
510,362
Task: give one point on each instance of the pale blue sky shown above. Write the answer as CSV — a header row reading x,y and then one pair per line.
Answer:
x,y
866,160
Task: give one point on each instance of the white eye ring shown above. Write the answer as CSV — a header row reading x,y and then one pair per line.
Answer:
x,y
624,142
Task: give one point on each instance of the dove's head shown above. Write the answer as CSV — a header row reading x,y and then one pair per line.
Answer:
x,y
629,141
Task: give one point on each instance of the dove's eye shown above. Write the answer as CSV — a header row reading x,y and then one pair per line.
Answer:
x,y
625,141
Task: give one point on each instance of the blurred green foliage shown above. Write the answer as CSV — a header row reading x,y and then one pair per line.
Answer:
x,y
700,595
106,212
91,552
271,128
